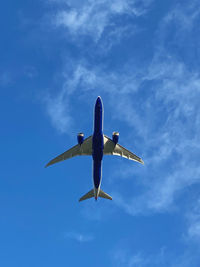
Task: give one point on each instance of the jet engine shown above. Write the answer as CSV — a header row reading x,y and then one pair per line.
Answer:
x,y
115,137
80,138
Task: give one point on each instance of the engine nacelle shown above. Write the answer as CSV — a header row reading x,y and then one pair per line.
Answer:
x,y
80,138
115,137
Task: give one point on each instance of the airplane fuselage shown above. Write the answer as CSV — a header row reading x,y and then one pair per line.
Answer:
x,y
97,146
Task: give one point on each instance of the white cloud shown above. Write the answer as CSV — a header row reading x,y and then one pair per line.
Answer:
x,y
93,17
193,218
173,149
81,238
5,79
163,257
165,116
184,15
174,143
88,81
58,111
30,72
122,257
126,258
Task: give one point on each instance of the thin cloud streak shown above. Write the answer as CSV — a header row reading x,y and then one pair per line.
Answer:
x,y
178,91
126,258
163,257
58,111
170,140
81,238
193,218
94,17
5,79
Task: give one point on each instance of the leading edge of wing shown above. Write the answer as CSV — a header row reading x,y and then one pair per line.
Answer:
x,y
77,150
110,148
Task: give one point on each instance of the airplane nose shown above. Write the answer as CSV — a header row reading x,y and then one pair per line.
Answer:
x,y
99,101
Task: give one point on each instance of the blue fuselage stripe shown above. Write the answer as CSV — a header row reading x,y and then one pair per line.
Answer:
x,y
97,142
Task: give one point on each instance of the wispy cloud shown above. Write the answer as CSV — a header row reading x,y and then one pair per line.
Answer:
x,y
175,143
58,110
177,32
163,257
6,79
124,257
193,218
94,17
184,15
165,145
81,238
89,81
121,258
160,104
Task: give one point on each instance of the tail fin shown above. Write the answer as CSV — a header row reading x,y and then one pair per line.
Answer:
x,y
91,194
104,195
88,195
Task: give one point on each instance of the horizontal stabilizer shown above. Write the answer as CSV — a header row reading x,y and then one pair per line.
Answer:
x,y
104,195
88,195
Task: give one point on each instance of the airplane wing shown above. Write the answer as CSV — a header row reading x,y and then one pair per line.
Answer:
x,y
78,150
110,148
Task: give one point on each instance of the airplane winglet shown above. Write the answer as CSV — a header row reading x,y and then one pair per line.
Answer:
x,y
141,161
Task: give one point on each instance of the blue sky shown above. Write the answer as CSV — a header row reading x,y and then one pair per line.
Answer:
x,y
142,58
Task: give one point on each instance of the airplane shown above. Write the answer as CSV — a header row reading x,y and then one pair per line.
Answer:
x,y
97,145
